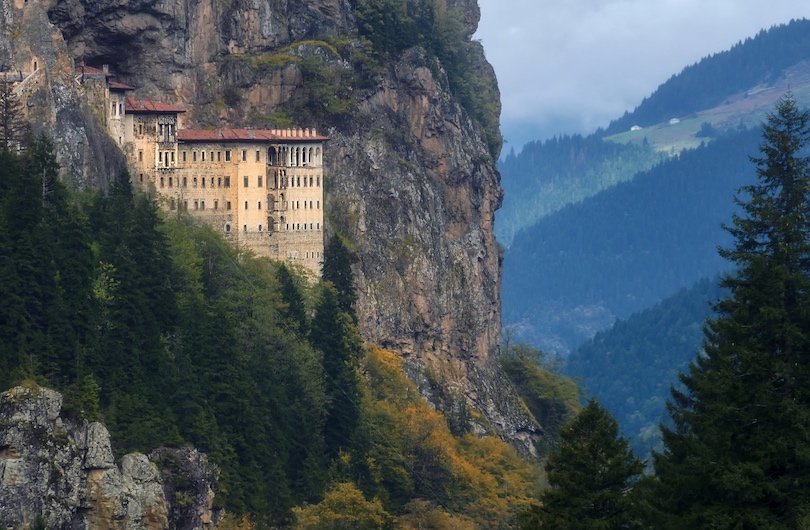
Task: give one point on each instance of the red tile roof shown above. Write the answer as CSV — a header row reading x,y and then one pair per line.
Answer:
x,y
143,106
90,71
249,135
115,85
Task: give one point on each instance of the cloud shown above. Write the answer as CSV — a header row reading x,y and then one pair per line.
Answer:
x,y
577,64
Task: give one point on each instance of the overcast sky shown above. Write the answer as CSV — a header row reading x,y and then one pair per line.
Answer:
x,y
574,65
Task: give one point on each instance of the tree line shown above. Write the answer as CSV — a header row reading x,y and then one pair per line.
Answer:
x,y
158,327
735,455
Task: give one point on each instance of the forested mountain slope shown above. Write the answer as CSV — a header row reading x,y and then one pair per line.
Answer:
x,y
572,273
722,92
170,336
411,108
631,367
548,175
758,60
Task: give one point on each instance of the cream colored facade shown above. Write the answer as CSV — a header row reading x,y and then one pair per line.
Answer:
x,y
262,188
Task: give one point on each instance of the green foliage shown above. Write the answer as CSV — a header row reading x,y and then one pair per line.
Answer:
x,y
591,475
337,269
658,343
392,26
552,398
547,176
343,508
626,248
171,336
737,454
13,128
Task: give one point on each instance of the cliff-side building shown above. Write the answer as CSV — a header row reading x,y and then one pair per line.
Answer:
x,y
262,188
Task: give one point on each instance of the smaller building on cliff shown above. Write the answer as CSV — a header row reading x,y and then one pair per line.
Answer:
x,y
262,188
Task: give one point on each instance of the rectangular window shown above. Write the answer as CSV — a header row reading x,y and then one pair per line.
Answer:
x,y
172,157
244,155
227,182
194,182
219,182
219,156
185,182
260,205
216,205
202,205
245,184
203,155
227,156
212,156
194,156
140,156
171,181
160,156
245,205
202,181
258,156
228,205
184,156
260,181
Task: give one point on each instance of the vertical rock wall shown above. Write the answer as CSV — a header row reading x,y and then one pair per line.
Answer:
x,y
411,180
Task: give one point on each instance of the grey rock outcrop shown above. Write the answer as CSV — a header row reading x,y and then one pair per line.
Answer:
x,y
34,55
63,473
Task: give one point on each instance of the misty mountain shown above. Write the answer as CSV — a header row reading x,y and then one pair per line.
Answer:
x,y
574,272
631,367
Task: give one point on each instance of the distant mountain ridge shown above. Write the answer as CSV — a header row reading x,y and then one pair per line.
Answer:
x,y
595,233
548,175
631,367
574,272
723,92
707,83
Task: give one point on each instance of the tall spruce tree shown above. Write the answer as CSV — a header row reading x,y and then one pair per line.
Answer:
x,y
12,125
591,475
738,455
337,269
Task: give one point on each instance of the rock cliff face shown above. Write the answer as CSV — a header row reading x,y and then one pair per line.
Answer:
x,y
32,49
411,176
62,473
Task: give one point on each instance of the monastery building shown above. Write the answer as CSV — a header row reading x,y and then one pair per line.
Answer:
x,y
262,188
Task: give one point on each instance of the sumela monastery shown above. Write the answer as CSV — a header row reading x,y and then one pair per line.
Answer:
x,y
262,188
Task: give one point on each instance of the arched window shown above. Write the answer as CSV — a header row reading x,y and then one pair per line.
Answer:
x,y
227,228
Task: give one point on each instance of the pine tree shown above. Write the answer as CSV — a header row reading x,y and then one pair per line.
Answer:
x,y
738,455
337,269
333,333
12,127
591,475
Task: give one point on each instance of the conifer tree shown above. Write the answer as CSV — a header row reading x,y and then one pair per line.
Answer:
x,y
738,455
591,475
333,333
337,269
12,126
